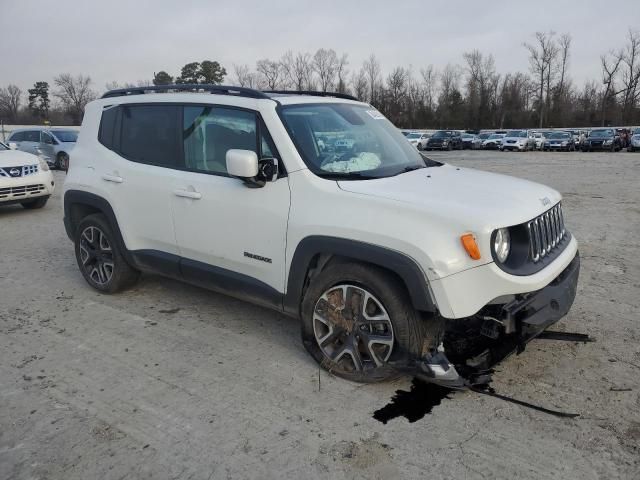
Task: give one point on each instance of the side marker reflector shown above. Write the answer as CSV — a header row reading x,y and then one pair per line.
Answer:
x,y
470,245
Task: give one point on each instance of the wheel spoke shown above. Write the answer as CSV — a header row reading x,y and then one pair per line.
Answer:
x,y
352,328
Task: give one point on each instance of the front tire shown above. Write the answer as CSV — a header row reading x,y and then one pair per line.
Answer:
x,y
62,161
357,319
37,203
99,258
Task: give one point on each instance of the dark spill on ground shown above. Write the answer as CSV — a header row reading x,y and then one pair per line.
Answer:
x,y
414,404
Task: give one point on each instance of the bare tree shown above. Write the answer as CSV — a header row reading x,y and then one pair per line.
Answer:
x,y
631,74
325,64
541,57
298,70
430,81
359,84
10,98
74,93
342,73
371,69
244,76
610,65
271,73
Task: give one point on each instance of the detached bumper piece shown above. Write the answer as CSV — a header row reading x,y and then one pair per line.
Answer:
x,y
472,346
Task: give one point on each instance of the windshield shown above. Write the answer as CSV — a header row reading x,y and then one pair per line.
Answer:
x,y
468,136
442,134
360,142
495,136
517,133
559,135
65,135
637,131
413,135
601,133
484,136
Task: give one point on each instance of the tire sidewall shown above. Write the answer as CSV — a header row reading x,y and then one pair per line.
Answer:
x,y
121,270
395,301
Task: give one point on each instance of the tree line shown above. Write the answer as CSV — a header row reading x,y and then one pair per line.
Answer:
x,y
471,94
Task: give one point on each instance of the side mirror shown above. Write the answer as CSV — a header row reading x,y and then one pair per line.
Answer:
x,y
13,145
242,163
245,165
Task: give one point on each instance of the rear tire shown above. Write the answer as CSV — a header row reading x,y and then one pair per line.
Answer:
x,y
37,203
338,330
62,161
99,257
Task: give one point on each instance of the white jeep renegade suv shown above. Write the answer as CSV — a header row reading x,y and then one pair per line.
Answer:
x,y
317,206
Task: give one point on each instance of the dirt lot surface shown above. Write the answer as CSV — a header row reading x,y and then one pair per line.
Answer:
x,y
171,381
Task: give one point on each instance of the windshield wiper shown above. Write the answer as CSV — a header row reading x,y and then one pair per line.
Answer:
x,y
345,176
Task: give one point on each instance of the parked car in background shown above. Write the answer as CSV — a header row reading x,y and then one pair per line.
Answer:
x,y
602,139
445,140
493,141
24,179
418,140
634,141
559,141
519,141
470,141
53,144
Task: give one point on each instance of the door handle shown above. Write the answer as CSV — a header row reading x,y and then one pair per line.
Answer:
x,y
112,178
188,194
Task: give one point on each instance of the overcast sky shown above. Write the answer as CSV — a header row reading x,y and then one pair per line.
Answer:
x,y
127,41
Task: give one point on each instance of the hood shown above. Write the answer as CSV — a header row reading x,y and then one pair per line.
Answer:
x,y
14,158
480,200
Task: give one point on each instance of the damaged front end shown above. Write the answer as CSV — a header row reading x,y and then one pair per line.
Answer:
x,y
471,346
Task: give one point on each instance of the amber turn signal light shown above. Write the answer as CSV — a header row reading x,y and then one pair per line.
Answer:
x,y
470,245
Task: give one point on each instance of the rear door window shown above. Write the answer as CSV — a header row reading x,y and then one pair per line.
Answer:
x,y
32,136
149,134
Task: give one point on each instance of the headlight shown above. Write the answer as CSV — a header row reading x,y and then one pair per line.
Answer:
x,y
564,144
44,166
607,141
502,244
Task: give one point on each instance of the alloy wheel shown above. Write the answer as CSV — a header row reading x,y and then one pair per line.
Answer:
x,y
96,255
352,328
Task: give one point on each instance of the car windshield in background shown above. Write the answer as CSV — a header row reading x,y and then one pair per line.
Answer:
x,y
65,135
359,142
468,136
601,133
495,136
560,135
517,133
414,135
484,136
442,134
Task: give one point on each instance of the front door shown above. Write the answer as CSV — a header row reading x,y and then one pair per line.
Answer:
x,y
231,237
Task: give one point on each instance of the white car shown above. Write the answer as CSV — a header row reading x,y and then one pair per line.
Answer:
x,y
418,140
392,262
24,179
519,141
493,142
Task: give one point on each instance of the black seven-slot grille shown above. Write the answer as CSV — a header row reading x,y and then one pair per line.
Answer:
x,y
546,232
19,171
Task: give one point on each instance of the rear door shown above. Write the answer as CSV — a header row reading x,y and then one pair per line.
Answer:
x,y
136,172
47,146
231,237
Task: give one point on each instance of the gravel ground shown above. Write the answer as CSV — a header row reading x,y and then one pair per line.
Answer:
x,y
172,381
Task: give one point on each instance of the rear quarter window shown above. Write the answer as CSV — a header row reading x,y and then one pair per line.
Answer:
x,y
107,127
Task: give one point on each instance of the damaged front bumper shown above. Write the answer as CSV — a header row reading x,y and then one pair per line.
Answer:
x,y
473,345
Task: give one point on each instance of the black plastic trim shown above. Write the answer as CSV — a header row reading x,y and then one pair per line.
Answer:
x,y
230,283
189,87
403,266
80,198
312,93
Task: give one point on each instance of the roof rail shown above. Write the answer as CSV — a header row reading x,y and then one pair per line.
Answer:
x,y
312,93
187,87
